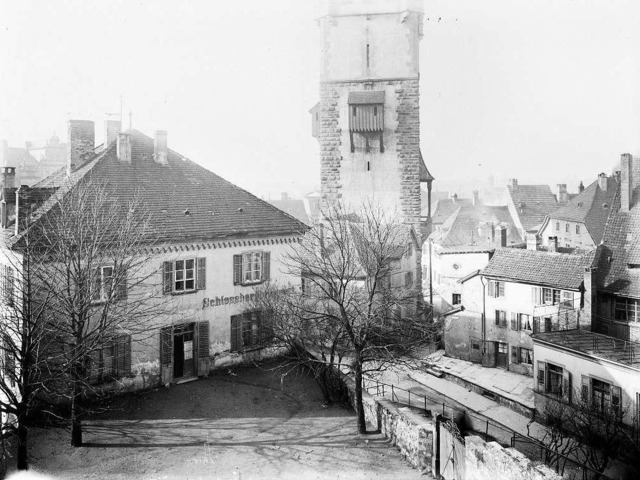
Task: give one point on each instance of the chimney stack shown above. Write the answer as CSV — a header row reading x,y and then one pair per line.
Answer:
x,y
161,151
8,177
111,129
532,241
476,197
501,236
553,244
626,182
81,143
563,196
123,147
581,187
602,181
514,183
454,197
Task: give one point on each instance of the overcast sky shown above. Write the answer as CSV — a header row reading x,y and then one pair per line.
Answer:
x,y
547,91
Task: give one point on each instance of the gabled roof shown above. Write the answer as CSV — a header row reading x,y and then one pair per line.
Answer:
x,y
292,206
591,207
186,201
558,270
532,203
618,272
471,225
444,208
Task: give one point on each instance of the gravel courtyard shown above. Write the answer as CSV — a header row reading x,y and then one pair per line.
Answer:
x,y
238,424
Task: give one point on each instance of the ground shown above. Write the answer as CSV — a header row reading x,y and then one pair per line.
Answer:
x,y
238,424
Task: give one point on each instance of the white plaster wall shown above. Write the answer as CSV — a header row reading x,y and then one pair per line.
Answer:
x,y
570,238
626,378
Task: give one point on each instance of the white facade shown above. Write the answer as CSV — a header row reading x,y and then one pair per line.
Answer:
x,y
570,234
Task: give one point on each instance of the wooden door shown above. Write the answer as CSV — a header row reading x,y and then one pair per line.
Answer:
x,y
502,356
489,354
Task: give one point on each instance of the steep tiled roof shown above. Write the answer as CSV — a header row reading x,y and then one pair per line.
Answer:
x,y
617,268
216,208
444,208
292,206
590,207
462,227
532,203
559,270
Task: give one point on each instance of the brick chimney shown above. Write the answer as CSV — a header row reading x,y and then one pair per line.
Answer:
x,y
160,151
514,183
111,129
602,181
553,244
532,241
8,177
563,196
123,147
581,187
476,197
81,143
629,182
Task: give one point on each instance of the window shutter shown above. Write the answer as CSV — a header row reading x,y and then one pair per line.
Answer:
x,y
237,269
514,354
266,266
492,288
166,346
203,339
121,288
584,390
95,285
303,286
566,385
541,376
167,288
536,324
497,317
536,295
10,287
616,399
514,321
500,289
236,333
122,362
201,275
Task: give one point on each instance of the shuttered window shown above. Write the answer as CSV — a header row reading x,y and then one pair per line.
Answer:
x,y
106,286
113,360
251,267
366,117
7,283
496,289
246,331
184,276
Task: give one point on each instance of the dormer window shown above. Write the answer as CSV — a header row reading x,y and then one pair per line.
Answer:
x,y
366,122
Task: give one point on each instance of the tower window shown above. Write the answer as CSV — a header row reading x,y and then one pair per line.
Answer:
x,y
375,110
354,111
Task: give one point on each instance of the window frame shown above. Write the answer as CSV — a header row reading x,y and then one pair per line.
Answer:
x,y
248,332
454,297
501,318
185,279
249,261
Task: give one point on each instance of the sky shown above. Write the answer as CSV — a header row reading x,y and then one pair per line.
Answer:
x,y
545,91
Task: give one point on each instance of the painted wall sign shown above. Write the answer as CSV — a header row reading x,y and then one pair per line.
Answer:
x,y
218,301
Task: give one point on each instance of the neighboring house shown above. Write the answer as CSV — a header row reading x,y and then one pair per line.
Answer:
x,y
603,362
20,158
293,206
529,205
216,243
462,244
580,222
518,293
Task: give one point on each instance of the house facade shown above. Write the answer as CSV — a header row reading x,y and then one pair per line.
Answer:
x,y
520,292
214,244
580,222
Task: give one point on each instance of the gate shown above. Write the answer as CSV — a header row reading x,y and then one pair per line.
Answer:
x,y
452,462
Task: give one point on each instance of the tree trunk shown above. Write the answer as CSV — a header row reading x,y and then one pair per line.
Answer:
x,y
23,438
362,424
76,425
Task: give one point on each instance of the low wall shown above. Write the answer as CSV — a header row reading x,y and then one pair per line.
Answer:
x,y
413,434
490,461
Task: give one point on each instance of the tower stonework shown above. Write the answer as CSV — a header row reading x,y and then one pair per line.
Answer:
x,y
369,113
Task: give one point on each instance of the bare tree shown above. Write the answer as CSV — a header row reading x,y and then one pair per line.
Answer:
x,y
357,304
94,272
591,430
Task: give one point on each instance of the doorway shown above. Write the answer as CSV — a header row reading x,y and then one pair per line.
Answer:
x,y
183,351
503,355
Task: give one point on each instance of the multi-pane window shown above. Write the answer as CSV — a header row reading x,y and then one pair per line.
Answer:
x,y
554,379
496,289
184,275
566,227
457,299
557,226
627,309
525,356
602,395
550,296
501,318
246,330
113,359
103,283
251,267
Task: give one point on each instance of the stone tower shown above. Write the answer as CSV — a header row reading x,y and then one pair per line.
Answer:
x,y
368,118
